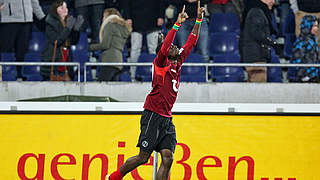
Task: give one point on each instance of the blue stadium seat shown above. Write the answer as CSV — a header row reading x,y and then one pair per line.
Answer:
x,y
89,74
125,76
227,74
274,74
82,45
37,42
145,72
194,58
288,45
9,73
8,57
227,58
80,53
32,57
221,43
32,73
193,78
193,74
224,22
290,24
291,75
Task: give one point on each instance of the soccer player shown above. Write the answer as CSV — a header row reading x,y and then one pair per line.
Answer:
x,y
157,130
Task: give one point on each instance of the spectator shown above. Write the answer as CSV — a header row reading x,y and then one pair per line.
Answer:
x,y
306,50
146,17
186,27
257,41
302,8
92,12
64,29
114,32
226,6
15,28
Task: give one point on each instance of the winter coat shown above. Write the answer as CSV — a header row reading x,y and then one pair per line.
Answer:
x,y
306,51
256,35
144,14
56,31
82,3
20,11
311,6
113,35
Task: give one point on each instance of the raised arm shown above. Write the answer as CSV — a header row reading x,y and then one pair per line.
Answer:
x,y
197,24
170,36
193,37
164,51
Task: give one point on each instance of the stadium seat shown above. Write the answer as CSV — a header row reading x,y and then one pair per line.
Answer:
x,y
80,53
125,76
8,57
82,45
227,58
193,78
292,73
290,24
9,73
224,22
37,42
274,74
227,74
144,73
288,45
194,58
89,74
195,73
221,43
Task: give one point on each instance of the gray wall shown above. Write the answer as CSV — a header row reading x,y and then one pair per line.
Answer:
x,y
188,92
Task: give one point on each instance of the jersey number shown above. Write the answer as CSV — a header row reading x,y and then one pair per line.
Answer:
x,y
174,85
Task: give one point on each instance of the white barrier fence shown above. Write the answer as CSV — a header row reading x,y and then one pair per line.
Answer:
x,y
206,65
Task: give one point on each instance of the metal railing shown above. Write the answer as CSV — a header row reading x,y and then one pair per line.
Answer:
x,y
206,65
43,64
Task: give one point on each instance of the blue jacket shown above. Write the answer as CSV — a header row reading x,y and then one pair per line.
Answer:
x,y
306,51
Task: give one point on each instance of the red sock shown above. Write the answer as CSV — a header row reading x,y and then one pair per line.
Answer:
x,y
117,175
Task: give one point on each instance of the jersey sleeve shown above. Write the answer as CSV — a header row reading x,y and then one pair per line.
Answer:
x,y
187,48
164,51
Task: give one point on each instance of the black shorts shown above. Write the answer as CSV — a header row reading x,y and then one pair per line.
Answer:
x,y
156,132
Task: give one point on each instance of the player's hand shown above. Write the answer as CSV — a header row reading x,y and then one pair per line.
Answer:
x,y
200,11
182,16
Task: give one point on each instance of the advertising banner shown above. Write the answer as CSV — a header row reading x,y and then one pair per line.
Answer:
x,y
213,147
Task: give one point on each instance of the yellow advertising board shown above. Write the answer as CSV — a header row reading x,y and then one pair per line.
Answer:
x,y
213,147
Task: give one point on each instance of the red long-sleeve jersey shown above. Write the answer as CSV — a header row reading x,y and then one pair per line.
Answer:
x,y
166,76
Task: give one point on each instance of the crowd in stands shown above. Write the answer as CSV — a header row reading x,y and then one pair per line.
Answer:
x,y
232,31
